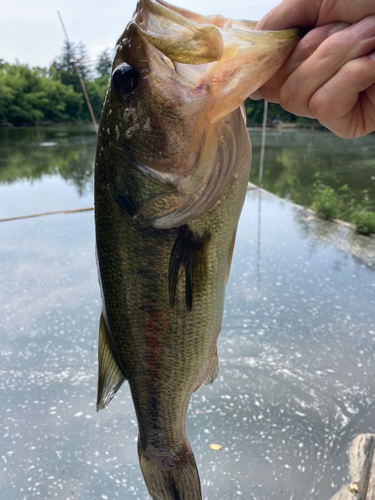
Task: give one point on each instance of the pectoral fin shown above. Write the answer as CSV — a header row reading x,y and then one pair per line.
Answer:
x,y
189,252
110,377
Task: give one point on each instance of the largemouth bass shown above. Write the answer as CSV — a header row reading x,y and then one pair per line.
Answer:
x,y
172,166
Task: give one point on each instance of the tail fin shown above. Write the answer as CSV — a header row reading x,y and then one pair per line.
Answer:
x,y
180,482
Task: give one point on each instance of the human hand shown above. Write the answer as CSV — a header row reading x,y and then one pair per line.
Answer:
x,y
331,73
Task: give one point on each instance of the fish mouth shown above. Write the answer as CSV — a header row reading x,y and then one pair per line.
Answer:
x,y
190,38
179,34
228,56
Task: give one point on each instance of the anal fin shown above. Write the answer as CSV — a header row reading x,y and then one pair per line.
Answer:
x,y
214,370
110,377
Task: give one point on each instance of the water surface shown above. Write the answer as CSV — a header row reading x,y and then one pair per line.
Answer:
x,y
296,357
46,169
51,168
292,157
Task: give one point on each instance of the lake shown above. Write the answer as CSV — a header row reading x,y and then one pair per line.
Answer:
x,y
292,157
51,168
46,169
296,351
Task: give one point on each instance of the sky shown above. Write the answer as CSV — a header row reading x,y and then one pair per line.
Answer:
x,y
30,30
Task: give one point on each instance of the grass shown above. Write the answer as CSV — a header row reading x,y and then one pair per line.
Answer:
x,y
329,204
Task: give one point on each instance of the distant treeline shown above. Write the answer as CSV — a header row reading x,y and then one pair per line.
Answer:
x,y
30,96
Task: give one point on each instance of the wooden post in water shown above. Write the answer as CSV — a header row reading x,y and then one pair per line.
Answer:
x,y
361,470
265,111
79,74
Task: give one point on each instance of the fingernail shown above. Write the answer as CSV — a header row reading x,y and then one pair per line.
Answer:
x,y
338,27
255,96
365,28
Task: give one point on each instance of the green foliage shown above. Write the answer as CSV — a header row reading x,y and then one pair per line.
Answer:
x,y
362,216
64,65
326,201
104,64
364,221
29,96
96,90
254,112
330,204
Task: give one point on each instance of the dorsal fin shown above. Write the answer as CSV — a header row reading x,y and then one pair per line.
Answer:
x,y
110,377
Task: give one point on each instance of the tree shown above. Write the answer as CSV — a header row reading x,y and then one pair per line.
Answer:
x,y
28,96
104,63
63,66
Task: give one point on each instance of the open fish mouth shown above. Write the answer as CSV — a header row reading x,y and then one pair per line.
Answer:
x,y
181,35
228,56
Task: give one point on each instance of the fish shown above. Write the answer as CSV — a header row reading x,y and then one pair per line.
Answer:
x,y
171,173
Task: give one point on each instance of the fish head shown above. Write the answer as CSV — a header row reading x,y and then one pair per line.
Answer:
x,y
156,109
175,75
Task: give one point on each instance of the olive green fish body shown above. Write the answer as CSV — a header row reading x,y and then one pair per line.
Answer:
x,y
172,166
165,349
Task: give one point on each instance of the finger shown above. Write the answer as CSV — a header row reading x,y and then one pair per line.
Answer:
x,y
300,13
290,14
305,48
324,63
256,96
346,103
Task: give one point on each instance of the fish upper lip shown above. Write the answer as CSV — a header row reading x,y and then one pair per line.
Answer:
x,y
205,40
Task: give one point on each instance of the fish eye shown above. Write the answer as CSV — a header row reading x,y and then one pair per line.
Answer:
x,y
124,78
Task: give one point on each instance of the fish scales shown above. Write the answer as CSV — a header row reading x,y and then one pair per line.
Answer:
x,y
172,166
137,298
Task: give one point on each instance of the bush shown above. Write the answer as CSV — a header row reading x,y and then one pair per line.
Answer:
x,y
364,221
331,205
326,203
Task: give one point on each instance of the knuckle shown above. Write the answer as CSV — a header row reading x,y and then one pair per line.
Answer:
x,y
308,44
352,70
319,104
337,44
269,93
288,97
